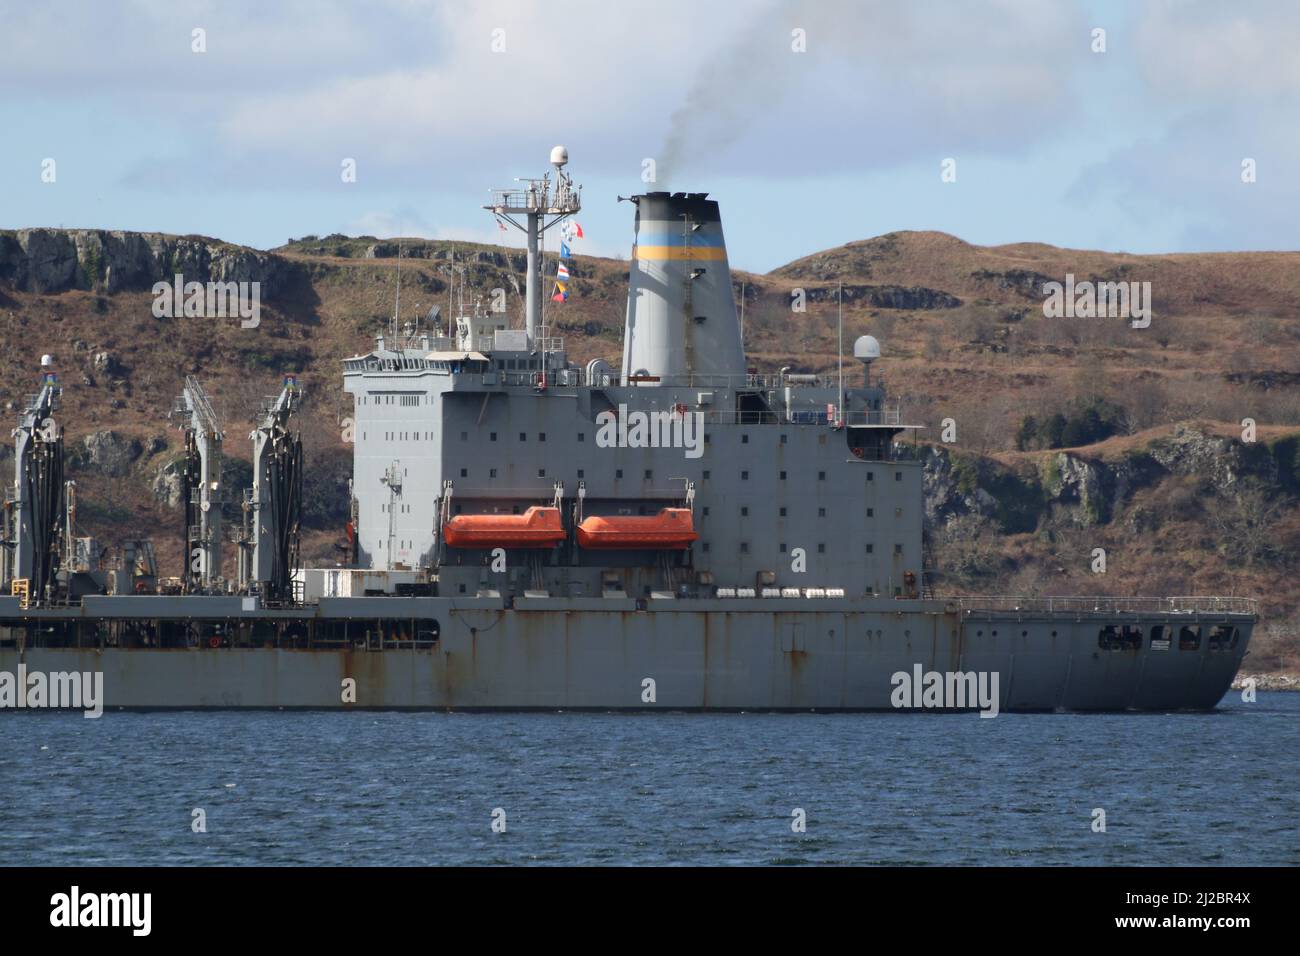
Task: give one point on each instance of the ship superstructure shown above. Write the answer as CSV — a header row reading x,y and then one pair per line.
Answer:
x,y
785,481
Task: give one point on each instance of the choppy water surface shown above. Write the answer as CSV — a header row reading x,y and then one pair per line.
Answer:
x,y
419,789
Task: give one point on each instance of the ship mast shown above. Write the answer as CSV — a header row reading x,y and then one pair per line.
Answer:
x,y
540,207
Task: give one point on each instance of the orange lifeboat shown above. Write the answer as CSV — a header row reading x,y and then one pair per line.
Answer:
x,y
536,528
671,528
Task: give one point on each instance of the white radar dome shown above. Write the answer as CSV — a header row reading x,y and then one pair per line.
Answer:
x,y
866,349
559,156
47,360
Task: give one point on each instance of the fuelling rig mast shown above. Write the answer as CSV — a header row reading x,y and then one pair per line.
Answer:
x,y
268,552
34,511
201,489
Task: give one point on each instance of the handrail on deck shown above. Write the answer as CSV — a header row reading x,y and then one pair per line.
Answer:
x,y
1202,604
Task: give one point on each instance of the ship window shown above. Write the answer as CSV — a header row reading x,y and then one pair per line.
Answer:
x,y
582,436
514,510
744,547
708,439
898,592
871,548
783,438
618,473
821,512
541,436
1114,637
1222,636
898,512
1189,638
640,509
458,509
871,512
821,476
464,472
705,511
492,472
582,473
782,512
783,476
492,436
462,589
898,549
541,472
783,547
705,548
821,549
1160,634
871,476
744,511
744,476
523,436
898,476
649,474
744,439
706,475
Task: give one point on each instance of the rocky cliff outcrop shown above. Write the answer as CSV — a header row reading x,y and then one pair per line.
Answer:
x,y
1084,490
55,260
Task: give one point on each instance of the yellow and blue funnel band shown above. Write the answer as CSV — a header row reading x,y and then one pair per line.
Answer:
x,y
673,244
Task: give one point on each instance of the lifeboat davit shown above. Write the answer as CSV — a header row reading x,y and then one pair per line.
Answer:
x,y
671,528
536,528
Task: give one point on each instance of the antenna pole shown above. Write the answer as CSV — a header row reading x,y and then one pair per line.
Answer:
x,y
742,315
839,296
397,307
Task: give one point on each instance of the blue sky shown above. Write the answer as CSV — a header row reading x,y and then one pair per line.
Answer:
x,y
1138,148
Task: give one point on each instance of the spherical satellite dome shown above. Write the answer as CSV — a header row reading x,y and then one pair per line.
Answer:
x,y
559,156
866,348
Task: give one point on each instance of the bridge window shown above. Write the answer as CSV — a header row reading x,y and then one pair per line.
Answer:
x,y
1189,637
706,475
898,549
821,476
541,436
821,549
649,474
618,473
744,512
582,473
523,436
1160,637
492,436
541,472
783,476
898,476
871,512
821,512
582,436
744,547
871,548
782,512
744,476
744,439
492,472
871,476
464,472
783,547
783,438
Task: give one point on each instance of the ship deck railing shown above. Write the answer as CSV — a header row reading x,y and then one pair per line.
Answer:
x,y
1197,604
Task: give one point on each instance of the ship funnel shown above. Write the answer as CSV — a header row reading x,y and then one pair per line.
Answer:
x,y
681,313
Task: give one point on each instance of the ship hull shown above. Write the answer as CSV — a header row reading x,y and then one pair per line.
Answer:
x,y
727,655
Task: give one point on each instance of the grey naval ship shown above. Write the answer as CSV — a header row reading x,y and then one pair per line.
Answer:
x,y
678,533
